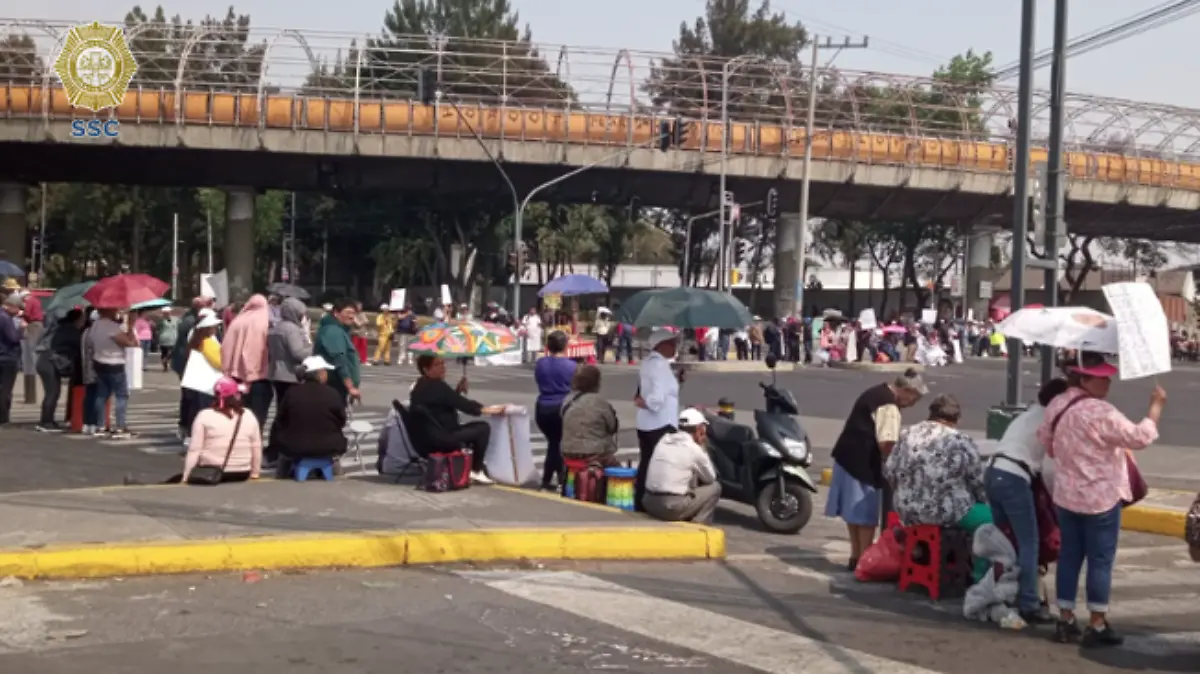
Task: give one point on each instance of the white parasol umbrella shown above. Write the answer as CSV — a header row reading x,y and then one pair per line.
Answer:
x,y
1064,327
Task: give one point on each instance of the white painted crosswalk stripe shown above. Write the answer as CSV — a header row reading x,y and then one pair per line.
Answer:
x,y
156,425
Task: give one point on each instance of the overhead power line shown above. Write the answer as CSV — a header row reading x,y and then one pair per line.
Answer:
x,y
1147,20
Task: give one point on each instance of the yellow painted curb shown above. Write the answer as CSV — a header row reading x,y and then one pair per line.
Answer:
x,y
364,550
1142,519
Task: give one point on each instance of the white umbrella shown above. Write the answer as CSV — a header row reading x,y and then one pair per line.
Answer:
x,y
1064,327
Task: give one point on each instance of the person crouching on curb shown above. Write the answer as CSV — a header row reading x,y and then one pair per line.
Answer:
x,y
681,482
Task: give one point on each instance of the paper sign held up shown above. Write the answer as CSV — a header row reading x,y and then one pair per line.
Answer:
x,y
396,303
866,319
446,297
1144,333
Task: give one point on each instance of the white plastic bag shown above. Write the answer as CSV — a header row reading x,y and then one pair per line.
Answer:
x,y
509,458
134,360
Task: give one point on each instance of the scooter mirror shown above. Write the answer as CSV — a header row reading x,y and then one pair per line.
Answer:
x,y
771,361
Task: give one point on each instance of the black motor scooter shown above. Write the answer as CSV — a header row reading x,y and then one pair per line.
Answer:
x,y
766,469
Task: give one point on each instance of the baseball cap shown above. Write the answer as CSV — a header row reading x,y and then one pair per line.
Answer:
x,y
691,417
227,388
660,335
314,363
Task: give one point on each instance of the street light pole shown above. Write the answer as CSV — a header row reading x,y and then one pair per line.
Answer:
x,y
1055,195
1021,193
687,242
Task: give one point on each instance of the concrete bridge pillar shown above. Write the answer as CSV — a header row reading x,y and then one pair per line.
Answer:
x,y
14,233
979,268
787,265
239,242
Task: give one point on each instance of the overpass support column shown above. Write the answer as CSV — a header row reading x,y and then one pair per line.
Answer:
x,y
14,233
787,263
239,242
979,269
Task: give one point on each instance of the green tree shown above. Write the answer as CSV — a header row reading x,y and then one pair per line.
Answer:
x,y
19,60
690,82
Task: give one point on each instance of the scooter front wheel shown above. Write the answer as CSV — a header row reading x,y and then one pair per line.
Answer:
x,y
784,511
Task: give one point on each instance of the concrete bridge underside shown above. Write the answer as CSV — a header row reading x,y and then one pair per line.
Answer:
x,y
34,151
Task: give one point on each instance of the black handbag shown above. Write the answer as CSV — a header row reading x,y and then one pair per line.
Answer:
x,y
209,476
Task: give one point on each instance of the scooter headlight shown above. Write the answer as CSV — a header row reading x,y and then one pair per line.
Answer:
x,y
770,450
795,449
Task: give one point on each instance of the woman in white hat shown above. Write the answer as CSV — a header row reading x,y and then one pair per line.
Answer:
x,y
309,419
203,340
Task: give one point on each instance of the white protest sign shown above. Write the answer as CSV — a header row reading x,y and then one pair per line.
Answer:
x,y
216,286
1145,337
446,298
866,319
396,303
929,316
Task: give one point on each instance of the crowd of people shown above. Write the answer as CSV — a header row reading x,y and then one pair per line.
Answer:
x,y
1063,466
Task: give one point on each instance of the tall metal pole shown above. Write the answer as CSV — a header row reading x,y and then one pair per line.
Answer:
x,y
724,167
1021,192
1055,199
324,257
292,244
175,257
806,182
208,236
42,242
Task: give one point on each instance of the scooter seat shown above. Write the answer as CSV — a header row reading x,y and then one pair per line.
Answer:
x,y
724,431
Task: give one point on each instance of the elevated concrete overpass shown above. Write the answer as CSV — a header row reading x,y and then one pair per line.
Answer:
x,y
943,161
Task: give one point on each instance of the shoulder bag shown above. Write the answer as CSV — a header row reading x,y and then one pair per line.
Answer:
x,y
208,476
1138,488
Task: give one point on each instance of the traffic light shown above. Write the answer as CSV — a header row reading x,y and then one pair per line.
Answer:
x,y
772,205
635,208
679,132
427,84
664,135
1037,203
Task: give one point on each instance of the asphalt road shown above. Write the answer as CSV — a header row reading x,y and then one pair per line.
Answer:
x,y
779,605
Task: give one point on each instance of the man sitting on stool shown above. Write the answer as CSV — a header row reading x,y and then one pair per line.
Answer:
x,y
681,481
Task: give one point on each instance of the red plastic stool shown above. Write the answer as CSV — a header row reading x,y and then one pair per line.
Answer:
x,y
937,559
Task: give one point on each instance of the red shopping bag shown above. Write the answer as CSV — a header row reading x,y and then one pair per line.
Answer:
x,y
882,561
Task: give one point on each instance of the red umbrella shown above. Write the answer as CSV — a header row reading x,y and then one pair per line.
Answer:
x,y
124,290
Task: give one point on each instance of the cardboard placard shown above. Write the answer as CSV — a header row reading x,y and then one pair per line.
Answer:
x,y
1145,334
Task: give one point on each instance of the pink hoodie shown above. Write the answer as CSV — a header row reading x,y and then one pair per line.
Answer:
x,y
244,351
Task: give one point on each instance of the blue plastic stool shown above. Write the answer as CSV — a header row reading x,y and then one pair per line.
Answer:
x,y
305,466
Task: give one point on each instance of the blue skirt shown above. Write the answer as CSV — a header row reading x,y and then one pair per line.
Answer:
x,y
851,500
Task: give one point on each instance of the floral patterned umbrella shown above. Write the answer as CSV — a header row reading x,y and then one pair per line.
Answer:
x,y
465,339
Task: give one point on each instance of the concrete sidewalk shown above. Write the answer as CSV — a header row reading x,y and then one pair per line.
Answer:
x,y
274,524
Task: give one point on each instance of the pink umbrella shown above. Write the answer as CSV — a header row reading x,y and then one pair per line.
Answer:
x,y
894,329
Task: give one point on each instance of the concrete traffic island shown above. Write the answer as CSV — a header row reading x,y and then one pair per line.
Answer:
x,y
277,524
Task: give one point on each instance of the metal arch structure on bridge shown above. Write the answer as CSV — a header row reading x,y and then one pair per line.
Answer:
x,y
1144,154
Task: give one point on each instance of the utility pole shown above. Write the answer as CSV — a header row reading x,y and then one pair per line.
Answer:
x,y
208,235
1021,193
806,180
175,258
291,258
1055,194
324,257
41,259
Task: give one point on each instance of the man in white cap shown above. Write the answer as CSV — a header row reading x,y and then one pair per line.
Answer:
x,y
657,400
681,483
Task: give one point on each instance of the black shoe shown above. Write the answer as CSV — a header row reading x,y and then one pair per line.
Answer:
x,y
1066,631
1038,616
1101,637
852,565
51,427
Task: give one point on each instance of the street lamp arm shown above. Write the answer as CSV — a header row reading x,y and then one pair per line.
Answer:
x,y
483,145
574,172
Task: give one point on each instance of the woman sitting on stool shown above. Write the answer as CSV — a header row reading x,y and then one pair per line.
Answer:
x,y
432,397
310,419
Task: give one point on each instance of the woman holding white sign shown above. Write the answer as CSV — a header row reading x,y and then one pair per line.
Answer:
x,y
1095,477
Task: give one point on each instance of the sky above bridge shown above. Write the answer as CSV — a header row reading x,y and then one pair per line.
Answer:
x,y
910,37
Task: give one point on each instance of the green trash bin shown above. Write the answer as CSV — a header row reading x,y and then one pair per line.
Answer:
x,y
999,418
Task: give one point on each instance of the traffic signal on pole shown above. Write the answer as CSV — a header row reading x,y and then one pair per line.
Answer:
x,y
635,208
427,84
679,132
1037,203
772,205
664,135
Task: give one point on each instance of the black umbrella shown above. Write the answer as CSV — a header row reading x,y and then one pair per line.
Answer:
x,y
685,308
288,290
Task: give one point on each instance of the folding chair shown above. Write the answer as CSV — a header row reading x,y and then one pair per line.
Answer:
x,y
357,431
409,461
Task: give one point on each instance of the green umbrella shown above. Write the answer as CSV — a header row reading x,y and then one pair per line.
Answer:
x,y
66,299
685,308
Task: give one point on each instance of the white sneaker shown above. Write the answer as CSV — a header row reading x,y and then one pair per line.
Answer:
x,y
88,430
479,477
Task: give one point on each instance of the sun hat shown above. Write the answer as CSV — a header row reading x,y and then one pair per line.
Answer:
x,y
660,335
691,418
314,363
209,321
1092,364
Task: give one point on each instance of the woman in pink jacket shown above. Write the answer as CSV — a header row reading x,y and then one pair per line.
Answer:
x,y
225,436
